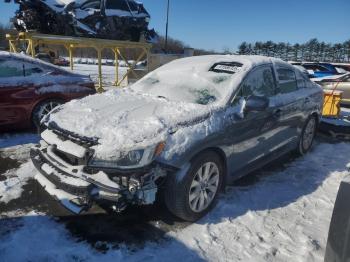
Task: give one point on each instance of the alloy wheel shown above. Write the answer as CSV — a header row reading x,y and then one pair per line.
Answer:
x,y
204,187
47,108
309,134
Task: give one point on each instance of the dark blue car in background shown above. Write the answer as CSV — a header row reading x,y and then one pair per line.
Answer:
x,y
320,69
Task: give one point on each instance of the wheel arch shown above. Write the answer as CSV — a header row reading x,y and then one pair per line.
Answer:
x,y
317,116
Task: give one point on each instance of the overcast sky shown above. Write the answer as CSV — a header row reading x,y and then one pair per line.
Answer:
x,y
226,23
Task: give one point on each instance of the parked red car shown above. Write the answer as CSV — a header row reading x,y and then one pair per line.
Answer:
x,y
31,88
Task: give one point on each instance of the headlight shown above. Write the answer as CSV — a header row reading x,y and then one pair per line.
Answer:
x,y
131,159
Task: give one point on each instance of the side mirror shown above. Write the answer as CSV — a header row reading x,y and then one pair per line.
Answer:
x,y
256,103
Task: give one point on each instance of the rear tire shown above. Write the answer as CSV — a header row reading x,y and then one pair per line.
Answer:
x,y
193,195
307,135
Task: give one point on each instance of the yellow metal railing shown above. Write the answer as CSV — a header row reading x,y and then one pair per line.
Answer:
x,y
34,40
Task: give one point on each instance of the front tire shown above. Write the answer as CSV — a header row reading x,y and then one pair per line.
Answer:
x,y
193,195
307,135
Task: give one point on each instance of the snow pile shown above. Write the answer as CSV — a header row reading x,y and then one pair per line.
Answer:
x,y
283,217
11,187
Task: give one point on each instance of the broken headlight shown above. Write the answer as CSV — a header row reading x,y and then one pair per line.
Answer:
x,y
131,159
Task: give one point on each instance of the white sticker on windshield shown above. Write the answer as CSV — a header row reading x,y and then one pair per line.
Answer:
x,y
227,68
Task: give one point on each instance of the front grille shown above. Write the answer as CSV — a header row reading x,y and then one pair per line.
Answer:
x,y
68,135
72,160
39,160
74,190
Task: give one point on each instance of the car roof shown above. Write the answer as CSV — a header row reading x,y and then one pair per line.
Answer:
x,y
7,56
204,63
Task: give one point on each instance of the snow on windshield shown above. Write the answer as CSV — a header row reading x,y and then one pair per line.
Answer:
x,y
184,81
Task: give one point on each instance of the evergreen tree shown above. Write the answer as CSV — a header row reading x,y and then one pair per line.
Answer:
x,y
311,51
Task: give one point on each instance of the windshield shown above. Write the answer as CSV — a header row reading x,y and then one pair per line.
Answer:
x,y
200,84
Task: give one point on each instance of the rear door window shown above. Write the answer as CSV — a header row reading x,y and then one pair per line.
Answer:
x,y
259,82
287,80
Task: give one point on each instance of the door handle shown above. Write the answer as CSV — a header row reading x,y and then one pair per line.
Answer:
x,y
277,113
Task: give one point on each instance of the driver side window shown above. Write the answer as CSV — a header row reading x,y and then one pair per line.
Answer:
x,y
259,82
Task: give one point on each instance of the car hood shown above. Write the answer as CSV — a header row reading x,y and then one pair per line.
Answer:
x,y
123,120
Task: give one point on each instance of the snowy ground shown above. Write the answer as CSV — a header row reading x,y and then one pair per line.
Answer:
x,y
108,73
279,213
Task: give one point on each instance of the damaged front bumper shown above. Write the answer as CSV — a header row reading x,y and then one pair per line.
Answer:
x,y
76,187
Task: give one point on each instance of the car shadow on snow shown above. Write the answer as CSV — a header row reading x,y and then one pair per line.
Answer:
x,y
18,138
43,238
135,228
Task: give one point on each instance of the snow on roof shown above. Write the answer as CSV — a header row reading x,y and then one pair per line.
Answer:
x,y
212,59
4,55
7,55
123,13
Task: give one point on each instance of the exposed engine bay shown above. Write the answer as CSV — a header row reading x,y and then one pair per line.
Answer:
x,y
125,20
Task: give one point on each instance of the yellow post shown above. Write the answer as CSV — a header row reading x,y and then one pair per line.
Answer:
x,y
132,66
70,50
12,47
116,58
148,59
32,49
99,56
28,49
79,42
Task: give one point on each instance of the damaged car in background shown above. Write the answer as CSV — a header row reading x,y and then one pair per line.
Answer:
x,y
107,19
186,129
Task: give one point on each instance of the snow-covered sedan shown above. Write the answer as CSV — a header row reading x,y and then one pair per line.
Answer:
x,y
31,88
187,129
